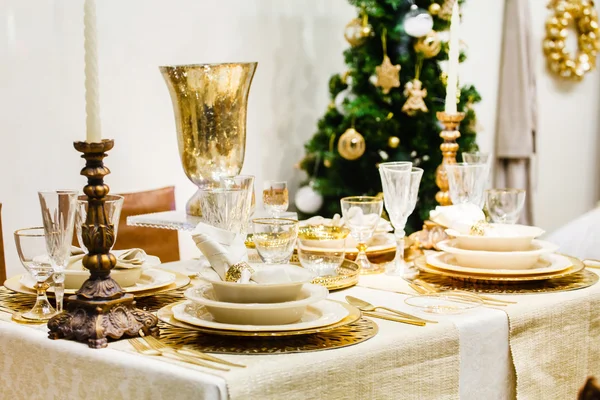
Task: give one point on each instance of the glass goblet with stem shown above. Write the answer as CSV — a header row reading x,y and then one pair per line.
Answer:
x,y
245,183
505,205
400,193
58,214
112,206
228,205
361,215
274,239
467,183
476,157
31,247
275,197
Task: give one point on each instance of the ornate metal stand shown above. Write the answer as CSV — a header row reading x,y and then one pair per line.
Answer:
x,y
449,149
432,233
100,309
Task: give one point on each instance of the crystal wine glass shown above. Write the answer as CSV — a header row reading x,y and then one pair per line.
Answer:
x,y
361,215
475,157
505,205
31,247
58,214
246,184
467,183
228,206
275,238
112,206
400,192
275,197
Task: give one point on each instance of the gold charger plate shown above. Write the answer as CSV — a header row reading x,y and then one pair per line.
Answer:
x,y
165,315
13,284
421,264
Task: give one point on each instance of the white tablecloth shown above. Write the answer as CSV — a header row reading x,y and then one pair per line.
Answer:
x,y
402,361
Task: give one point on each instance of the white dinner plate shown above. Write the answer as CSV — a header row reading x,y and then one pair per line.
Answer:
x,y
316,315
547,264
151,278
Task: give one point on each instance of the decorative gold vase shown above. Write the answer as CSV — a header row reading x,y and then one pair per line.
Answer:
x,y
210,102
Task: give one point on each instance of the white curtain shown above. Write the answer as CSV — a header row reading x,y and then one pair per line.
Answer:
x,y
516,125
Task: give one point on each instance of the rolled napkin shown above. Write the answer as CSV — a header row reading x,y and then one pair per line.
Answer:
x,y
222,249
457,217
383,226
130,258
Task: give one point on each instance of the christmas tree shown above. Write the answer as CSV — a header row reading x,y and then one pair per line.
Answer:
x,y
384,107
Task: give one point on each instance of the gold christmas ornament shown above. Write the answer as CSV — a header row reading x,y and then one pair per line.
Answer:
x,y
351,145
429,45
415,95
434,8
388,74
358,30
394,142
445,11
583,14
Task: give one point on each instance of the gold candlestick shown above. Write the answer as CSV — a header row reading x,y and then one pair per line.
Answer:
x,y
449,149
101,308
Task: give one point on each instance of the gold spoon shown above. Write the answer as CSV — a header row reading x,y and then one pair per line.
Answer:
x,y
366,306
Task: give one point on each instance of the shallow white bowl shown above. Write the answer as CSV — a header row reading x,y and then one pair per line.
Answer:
x,y
252,292
498,259
124,277
257,313
519,241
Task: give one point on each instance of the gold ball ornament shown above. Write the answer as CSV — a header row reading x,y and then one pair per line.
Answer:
x,y
394,142
585,18
429,45
357,31
434,8
351,145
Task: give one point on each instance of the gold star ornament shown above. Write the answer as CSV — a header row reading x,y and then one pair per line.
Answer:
x,y
388,75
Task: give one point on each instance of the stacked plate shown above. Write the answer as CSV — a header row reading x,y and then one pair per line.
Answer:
x,y
503,253
266,309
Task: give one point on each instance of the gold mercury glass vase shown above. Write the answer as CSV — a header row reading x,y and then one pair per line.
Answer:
x,y
210,102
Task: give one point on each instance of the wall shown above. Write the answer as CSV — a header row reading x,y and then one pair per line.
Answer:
x,y
298,44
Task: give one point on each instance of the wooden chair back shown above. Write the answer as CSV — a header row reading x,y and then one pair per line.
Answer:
x,y
590,391
162,243
2,260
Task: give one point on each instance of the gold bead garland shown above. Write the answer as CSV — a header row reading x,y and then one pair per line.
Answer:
x,y
585,17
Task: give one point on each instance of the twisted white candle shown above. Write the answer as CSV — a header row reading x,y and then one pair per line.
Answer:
x,y
92,100
453,53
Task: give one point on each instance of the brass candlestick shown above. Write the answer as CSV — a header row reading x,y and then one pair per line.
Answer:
x,y
449,149
101,308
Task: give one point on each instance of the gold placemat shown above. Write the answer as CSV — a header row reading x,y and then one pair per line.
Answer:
x,y
361,330
575,281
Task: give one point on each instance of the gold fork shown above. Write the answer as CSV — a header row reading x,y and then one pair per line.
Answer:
x,y
160,346
143,347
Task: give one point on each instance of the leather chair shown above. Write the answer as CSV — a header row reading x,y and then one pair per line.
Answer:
x,y
590,391
2,260
162,243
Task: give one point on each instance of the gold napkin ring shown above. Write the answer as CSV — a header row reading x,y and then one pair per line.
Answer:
x,y
234,273
478,229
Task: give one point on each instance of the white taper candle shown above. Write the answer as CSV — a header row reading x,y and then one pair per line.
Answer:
x,y
92,100
453,53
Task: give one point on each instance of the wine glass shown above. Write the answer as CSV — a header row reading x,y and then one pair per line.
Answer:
x,y
246,184
467,183
31,247
275,238
505,205
112,206
361,214
58,214
228,206
400,193
275,197
475,157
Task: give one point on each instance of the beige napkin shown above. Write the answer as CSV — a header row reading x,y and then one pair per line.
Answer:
x,y
130,258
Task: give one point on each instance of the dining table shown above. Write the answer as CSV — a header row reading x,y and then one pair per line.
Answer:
x,y
538,346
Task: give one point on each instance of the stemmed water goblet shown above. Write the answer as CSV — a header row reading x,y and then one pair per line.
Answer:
x,y
361,215
58,215
31,247
275,238
467,183
505,205
400,193
275,197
